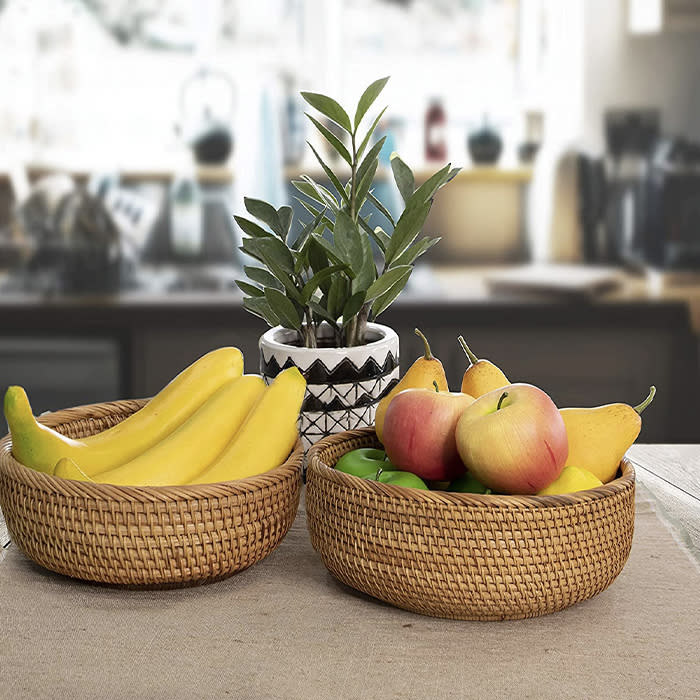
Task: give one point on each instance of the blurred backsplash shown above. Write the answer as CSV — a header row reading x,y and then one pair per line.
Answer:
x,y
130,130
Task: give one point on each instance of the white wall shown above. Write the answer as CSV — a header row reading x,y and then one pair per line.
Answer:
x,y
624,70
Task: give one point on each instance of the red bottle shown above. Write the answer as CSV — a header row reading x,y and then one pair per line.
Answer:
x,y
435,127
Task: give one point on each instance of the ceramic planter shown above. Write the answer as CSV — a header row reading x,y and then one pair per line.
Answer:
x,y
344,385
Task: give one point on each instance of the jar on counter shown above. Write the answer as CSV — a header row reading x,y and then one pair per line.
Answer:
x,y
435,131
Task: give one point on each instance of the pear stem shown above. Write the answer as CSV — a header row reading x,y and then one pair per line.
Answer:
x,y
647,401
428,353
437,388
472,357
500,401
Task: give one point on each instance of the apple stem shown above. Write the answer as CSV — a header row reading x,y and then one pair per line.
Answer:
x,y
379,471
428,353
500,401
437,388
472,357
647,401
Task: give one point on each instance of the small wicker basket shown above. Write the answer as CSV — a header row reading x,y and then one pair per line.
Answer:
x,y
154,537
465,556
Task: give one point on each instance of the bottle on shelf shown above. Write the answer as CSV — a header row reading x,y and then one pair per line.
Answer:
x,y
435,131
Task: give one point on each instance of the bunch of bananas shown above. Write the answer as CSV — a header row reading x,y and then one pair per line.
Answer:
x,y
211,423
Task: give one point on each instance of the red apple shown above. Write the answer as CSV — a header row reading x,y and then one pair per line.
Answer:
x,y
419,432
513,439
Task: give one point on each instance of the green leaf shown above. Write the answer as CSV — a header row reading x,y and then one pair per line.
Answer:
x,y
337,295
403,175
369,133
432,184
250,289
407,228
308,229
367,271
372,156
382,209
309,191
283,308
379,240
330,108
315,212
260,307
347,239
331,175
334,141
322,312
414,251
284,214
251,228
315,282
264,212
326,196
261,276
331,251
384,282
270,250
353,306
365,184
279,261
368,98
383,301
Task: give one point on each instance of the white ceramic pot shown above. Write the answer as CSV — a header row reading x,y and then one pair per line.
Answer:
x,y
344,385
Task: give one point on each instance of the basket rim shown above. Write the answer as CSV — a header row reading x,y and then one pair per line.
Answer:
x,y
15,470
317,466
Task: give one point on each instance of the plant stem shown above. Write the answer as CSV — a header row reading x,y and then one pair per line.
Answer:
x,y
353,172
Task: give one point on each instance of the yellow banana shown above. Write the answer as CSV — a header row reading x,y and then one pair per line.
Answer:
x,y
66,468
196,443
37,446
266,437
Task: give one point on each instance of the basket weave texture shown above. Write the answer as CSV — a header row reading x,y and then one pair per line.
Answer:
x,y
465,556
155,537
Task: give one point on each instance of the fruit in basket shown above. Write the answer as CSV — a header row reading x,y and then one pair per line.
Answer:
x,y
570,480
66,468
422,373
419,432
193,446
600,436
399,478
467,483
513,439
364,461
267,435
481,376
39,447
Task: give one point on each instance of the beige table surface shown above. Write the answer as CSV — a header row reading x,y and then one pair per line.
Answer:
x,y
286,629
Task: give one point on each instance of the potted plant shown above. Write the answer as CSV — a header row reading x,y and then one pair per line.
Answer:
x,y
321,290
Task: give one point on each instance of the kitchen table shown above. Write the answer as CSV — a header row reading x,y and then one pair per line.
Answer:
x,y
286,629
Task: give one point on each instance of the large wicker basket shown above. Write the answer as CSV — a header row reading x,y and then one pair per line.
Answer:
x,y
465,556
152,537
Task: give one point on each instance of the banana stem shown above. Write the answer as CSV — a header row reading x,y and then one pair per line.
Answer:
x,y
472,357
647,401
428,353
500,401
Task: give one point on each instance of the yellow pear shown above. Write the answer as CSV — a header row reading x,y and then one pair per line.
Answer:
x,y
420,375
600,436
481,376
570,480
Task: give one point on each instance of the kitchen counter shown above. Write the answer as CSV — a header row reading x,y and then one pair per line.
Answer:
x,y
285,628
584,350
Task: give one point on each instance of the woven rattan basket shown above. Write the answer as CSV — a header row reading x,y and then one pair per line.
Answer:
x,y
464,556
152,537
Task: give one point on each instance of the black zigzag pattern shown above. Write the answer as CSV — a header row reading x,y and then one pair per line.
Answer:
x,y
344,372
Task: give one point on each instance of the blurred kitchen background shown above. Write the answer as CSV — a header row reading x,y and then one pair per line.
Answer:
x,y
130,130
